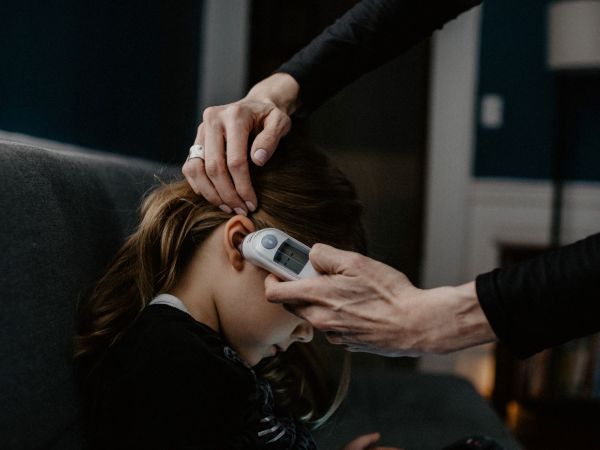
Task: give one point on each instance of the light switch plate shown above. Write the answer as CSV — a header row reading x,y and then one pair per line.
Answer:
x,y
492,111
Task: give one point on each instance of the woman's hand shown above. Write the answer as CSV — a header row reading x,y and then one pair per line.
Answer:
x,y
367,306
367,442
223,176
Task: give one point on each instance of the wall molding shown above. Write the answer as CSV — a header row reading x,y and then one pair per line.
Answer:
x,y
519,212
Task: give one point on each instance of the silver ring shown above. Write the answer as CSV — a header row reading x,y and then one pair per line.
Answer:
x,y
196,151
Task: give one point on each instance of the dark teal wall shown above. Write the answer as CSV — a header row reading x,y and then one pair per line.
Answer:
x,y
513,65
115,75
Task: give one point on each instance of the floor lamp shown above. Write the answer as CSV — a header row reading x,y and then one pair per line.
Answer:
x,y
573,51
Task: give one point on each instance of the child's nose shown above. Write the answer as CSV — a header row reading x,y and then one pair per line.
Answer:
x,y
303,332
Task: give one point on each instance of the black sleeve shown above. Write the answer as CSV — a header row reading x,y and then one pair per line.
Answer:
x,y
368,35
544,301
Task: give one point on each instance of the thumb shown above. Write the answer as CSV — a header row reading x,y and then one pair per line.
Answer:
x,y
276,125
330,260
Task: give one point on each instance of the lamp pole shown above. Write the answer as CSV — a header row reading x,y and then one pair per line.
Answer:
x,y
573,47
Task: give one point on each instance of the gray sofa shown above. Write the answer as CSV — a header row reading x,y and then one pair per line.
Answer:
x,y
65,211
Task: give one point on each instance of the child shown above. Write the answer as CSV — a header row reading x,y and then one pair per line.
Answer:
x,y
179,348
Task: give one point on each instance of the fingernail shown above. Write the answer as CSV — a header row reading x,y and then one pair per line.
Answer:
x,y
250,206
260,156
239,211
225,208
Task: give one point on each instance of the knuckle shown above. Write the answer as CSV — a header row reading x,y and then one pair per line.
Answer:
x,y
282,121
209,113
188,170
213,169
236,163
286,124
235,110
211,116
318,318
356,260
317,249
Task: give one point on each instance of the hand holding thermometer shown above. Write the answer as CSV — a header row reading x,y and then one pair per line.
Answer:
x,y
278,253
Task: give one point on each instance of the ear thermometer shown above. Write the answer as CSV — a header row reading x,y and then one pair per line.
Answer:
x,y
278,253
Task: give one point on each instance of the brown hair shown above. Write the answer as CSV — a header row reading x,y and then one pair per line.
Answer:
x,y
299,191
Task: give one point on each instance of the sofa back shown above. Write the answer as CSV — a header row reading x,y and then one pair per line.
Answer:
x,y
64,214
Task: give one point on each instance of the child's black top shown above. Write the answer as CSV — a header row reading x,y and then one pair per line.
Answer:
x,y
173,383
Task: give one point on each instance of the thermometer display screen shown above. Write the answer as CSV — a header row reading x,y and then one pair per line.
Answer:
x,y
291,257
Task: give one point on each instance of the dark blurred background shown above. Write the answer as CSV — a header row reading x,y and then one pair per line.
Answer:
x,y
127,77
120,76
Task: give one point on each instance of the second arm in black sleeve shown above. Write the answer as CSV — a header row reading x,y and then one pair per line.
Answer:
x,y
368,35
545,301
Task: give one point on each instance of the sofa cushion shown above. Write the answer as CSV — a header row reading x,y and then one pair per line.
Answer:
x,y
64,215
413,411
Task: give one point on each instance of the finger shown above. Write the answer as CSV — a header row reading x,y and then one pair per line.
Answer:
x,y
216,168
296,293
276,125
190,169
386,448
351,349
277,291
344,335
319,317
330,260
363,442
335,337
237,163
200,134
194,172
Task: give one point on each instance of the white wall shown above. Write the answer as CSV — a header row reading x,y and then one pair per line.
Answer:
x,y
450,148
224,52
451,139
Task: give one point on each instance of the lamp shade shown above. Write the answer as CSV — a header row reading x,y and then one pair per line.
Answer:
x,y
574,34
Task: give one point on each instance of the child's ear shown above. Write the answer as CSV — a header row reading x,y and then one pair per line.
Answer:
x,y
236,230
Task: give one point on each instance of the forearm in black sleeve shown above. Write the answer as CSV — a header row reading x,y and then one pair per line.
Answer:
x,y
544,301
369,34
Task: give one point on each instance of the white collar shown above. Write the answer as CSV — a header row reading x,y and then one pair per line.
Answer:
x,y
169,300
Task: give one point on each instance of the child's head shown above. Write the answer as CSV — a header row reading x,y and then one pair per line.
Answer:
x,y
188,247
225,292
